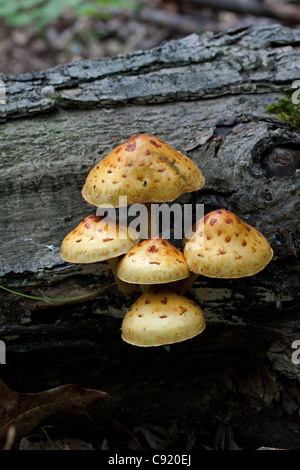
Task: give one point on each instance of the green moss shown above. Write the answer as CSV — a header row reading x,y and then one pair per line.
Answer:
x,y
286,110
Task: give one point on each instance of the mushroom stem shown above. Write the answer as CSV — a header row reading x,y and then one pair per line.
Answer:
x,y
182,285
126,288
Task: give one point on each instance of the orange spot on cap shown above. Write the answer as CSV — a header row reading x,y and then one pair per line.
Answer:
x,y
154,143
130,147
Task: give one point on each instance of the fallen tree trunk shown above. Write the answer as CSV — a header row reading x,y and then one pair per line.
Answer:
x,y
206,96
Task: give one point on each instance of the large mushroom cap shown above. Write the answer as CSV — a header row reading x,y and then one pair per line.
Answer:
x,y
95,239
161,316
224,246
153,261
144,169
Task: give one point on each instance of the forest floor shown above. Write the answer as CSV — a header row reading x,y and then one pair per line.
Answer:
x,y
69,38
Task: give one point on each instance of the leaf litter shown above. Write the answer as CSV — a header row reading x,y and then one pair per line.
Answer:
x,y
22,413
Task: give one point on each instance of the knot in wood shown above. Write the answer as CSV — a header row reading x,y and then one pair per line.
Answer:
x,y
281,161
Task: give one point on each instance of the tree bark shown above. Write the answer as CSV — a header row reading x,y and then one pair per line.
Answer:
x,y
206,96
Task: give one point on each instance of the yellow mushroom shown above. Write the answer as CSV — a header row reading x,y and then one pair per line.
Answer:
x,y
97,239
144,169
160,316
223,246
153,261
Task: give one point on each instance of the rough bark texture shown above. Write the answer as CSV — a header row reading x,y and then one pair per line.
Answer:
x,y
205,95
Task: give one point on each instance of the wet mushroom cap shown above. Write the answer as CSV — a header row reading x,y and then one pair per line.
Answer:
x,y
142,169
224,246
95,239
161,316
153,261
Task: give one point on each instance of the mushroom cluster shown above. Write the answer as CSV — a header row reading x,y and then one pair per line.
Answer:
x,y
146,170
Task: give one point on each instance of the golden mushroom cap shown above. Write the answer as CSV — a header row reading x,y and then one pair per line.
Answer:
x,y
161,316
143,169
95,239
224,246
153,261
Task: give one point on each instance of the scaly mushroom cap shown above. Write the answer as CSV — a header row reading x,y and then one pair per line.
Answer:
x,y
161,316
153,261
95,239
226,247
144,169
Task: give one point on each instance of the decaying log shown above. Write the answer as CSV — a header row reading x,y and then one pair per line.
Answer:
x,y
206,96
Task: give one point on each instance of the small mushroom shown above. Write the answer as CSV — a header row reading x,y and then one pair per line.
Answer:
x,y
223,246
98,239
153,261
160,316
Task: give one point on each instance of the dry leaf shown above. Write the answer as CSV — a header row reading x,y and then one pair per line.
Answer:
x,y
25,411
